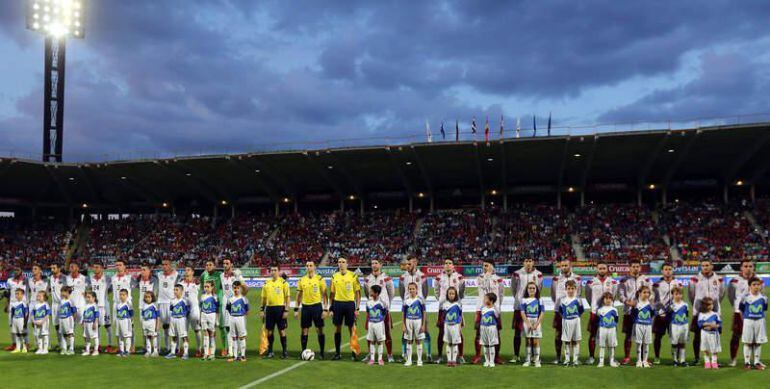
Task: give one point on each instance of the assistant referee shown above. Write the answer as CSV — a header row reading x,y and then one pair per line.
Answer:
x,y
346,298
275,308
311,295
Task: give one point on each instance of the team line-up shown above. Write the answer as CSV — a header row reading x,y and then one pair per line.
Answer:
x,y
174,305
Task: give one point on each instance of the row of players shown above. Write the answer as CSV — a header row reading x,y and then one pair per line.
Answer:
x,y
315,305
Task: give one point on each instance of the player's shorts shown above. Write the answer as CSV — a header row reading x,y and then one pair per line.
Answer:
x,y
518,322
530,333
125,328
238,327
194,319
312,315
273,318
55,315
164,311
489,336
178,327
737,323
660,324
149,328
105,315
376,332
208,322
413,330
628,325
67,326
557,323
754,331
18,327
570,330
89,332
593,324
608,337
440,320
679,333
709,341
642,333
452,334
41,330
344,311
224,317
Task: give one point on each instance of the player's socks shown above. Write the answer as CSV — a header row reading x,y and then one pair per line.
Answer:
x,y
734,343
427,343
172,351
657,344
576,352
270,340
155,344
206,344
198,340
408,353
714,358
517,344
121,346
537,354
492,353
419,353
337,342
322,343
88,347
96,344
449,353
682,353
148,345
235,348
601,355
231,348
612,354
108,329
627,347
528,357
303,342
243,347
185,348
592,346
71,341
757,354
567,352
46,346
371,352
213,345
747,354
557,345
379,351
283,343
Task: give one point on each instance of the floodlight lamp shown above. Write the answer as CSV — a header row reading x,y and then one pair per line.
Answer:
x,y
56,18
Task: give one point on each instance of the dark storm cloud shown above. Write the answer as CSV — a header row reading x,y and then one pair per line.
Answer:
x,y
196,76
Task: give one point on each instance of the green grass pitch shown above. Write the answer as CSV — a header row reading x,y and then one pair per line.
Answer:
x,y
53,370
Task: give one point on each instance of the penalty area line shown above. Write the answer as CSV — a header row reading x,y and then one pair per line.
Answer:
x,y
292,367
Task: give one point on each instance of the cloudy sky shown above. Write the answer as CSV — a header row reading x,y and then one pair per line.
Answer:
x,y
192,76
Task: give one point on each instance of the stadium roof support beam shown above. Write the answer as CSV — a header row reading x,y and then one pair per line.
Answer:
x,y
743,158
397,166
644,172
680,159
560,176
239,162
589,162
60,184
286,187
336,187
423,171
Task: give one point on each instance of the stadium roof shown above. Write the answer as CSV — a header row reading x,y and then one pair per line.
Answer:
x,y
602,162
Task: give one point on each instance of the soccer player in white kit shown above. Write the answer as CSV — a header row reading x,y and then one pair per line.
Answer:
x,y
78,283
167,278
661,300
56,281
147,282
121,280
709,284
736,289
519,280
99,284
413,274
627,295
36,283
559,291
226,279
594,292
191,292
415,324
488,282
753,307
377,277
448,278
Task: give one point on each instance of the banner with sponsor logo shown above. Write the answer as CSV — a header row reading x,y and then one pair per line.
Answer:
x,y
432,271
762,267
393,271
326,271
472,271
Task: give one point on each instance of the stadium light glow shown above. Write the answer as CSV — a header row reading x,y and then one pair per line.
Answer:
x,y
494,192
577,155
739,183
351,197
652,186
165,205
670,150
421,195
57,18
223,202
408,163
84,205
570,189
285,199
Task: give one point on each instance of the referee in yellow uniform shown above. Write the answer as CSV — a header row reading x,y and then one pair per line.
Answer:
x,y
346,298
311,295
275,309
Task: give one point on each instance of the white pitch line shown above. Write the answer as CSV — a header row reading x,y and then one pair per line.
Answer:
x,y
294,366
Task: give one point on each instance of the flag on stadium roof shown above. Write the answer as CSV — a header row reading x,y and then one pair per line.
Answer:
x,y
486,130
427,130
549,124
457,130
518,126
534,125
443,134
501,126
473,126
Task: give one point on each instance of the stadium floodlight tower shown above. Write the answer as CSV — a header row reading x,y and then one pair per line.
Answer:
x,y
57,20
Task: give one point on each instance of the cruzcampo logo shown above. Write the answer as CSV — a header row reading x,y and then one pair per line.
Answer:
x,y
755,308
644,314
572,309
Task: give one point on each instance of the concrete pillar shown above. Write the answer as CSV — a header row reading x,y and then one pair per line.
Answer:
x,y
483,201
296,205
725,194
664,196
431,203
411,203
582,198
639,197
342,205
752,193
216,211
361,204
505,202
232,211
558,199
277,208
